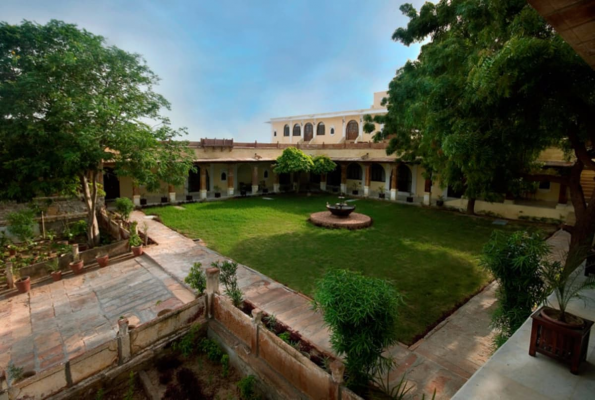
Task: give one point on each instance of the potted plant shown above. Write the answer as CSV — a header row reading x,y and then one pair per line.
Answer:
x,y
264,189
76,265
102,259
381,194
440,201
410,198
23,284
164,199
143,202
189,197
556,332
12,250
136,244
55,271
217,191
355,188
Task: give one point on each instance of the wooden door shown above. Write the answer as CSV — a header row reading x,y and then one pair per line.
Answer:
x,y
352,130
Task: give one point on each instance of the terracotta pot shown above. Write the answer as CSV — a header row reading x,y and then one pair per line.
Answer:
x,y
552,315
381,195
217,195
77,267
102,261
23,284
12,252
56,276
137,250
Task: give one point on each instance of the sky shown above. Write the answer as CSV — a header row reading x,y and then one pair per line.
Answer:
x,y
227,67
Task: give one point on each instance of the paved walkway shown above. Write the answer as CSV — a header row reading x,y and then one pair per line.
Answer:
x,y
444,360
55,322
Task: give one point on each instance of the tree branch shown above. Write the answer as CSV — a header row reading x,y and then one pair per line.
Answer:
x,y
580,150
546,177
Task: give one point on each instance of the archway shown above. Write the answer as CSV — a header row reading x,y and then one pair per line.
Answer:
x,y
308,132
404,179
111,184
245,177
352,130
194,179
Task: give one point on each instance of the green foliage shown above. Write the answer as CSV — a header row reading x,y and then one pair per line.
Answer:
x,y
229,279
293,160
15,373
211,349
362,313
187,344
323,165
131,383
99,395
246,388
134,240
285,336
54,265
225,365
514,260
21,224
103,107
196,278
78,228
125,206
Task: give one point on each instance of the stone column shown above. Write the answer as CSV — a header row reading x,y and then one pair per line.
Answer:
x,y
562,196
344,178
367,181
427,191
135,195
212,289
203,182
123,341
230,180
360,134
393,183
9,275
256,319
172,193
276,182
255,180
323,182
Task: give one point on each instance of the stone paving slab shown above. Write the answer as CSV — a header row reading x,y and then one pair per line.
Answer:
x,y
58,321
443,361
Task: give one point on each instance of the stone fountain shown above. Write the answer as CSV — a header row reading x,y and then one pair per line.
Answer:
x,y
340,215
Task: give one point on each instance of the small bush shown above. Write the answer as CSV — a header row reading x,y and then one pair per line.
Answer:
x,y
196,278
211,349
78,228
225,365
229,279
514,260
285,336
187,344
125,206
21,224
246,388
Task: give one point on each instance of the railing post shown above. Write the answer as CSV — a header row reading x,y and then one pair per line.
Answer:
x,y
123,341
212,289
337,371
256,318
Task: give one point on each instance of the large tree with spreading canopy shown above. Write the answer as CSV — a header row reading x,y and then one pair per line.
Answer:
x,y
68,103
492,88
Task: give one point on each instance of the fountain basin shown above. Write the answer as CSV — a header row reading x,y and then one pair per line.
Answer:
x,y
352,222
341,211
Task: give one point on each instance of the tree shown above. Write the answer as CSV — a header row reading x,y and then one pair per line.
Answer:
x,y
293,160
69,103
323,165
362,313
515,261
492,89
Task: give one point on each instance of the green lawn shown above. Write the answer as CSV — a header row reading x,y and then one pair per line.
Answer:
x,y
431,256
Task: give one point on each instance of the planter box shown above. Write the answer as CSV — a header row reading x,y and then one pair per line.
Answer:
x,y
143,202
355,192
381,195
440,203
409,199
558,341
243,193
164,199
265,191
217,195
188,197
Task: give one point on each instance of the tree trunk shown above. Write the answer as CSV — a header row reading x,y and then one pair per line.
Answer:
x,y
471,206
297,183
90,197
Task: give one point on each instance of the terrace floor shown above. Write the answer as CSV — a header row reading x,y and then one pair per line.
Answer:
x,y
55,322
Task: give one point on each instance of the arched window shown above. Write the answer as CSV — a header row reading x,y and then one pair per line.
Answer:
x,y
354,171
404,179
352,130
275,133
223,176
308,132
296,130
266,173
377,173
286,130
332,131
320,129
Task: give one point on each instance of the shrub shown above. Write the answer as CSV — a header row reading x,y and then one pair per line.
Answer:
x,y
514,260
362,313
225,365
125,206
21,224
196,278
285,336
229,279
246,388
211,349
78,228
186,345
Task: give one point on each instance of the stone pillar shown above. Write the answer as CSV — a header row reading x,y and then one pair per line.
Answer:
x,y
323,182
255,180
172,193
344,178
276,182
203,182
562,196
337,373
212,289
256,318
136,195
230,180
393,183
123,341
367,181
427,191
9,275
343,128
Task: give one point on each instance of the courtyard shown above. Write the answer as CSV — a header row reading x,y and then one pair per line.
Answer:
x,y
431,256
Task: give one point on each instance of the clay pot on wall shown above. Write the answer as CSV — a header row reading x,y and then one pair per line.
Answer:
x,y
137,250
77,267
56,276
102,260
24,284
